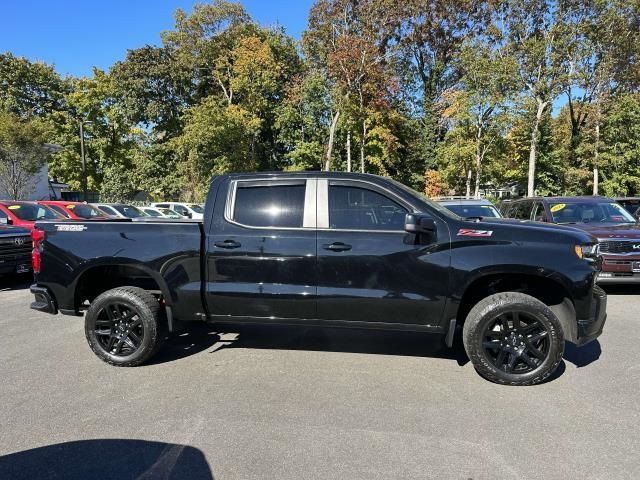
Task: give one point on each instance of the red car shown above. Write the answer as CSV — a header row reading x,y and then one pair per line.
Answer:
x,y
74,210
25,214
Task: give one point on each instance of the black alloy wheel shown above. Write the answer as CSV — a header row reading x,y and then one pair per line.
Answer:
x,y
516,342
119,329
513,338
125,326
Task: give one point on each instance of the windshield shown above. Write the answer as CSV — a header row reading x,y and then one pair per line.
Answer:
x,y
130,211
196,208
590,212
152,212
31,212
167,212
85,211
467,211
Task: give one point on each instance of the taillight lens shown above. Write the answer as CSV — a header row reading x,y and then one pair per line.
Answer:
x,y
37,236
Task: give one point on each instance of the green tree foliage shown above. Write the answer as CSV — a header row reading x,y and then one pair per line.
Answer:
x,y
538,95
22,153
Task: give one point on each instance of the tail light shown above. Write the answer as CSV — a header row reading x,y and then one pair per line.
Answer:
x,y
38,237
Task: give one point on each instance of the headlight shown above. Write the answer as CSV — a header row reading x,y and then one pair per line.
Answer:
x,y
587,252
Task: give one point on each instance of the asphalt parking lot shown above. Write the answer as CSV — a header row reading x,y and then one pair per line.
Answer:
x,y
282,403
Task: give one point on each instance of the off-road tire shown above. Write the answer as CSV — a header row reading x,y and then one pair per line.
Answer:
x,y
147,309
482,316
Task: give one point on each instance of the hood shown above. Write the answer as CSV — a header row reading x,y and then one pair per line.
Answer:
x,y
607,231
9,230
525,228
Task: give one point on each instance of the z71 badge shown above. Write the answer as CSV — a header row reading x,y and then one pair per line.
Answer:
x,y
468,232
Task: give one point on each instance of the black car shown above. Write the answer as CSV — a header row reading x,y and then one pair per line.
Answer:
x,y
327,249
15,250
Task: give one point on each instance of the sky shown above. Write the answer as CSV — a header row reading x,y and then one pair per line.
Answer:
x,y
76,35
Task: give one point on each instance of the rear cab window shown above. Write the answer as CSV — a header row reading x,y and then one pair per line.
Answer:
x,y
276,204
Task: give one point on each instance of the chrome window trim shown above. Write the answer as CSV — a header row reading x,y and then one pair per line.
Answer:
x,y
307,217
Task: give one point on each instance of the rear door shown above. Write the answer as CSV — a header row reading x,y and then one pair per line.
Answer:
x,y
369,268
261,251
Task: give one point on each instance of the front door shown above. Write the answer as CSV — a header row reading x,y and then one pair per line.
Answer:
x,y
261,251
369,268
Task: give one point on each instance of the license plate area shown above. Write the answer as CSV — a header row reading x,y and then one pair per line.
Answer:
x,y
635,267
26,268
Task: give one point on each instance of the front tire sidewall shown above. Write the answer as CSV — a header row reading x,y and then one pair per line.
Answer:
x,y
141,304
486,312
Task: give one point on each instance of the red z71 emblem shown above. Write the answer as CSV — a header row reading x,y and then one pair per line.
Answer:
x,y
467,232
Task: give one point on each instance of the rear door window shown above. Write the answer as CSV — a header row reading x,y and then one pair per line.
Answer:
x,y
270,205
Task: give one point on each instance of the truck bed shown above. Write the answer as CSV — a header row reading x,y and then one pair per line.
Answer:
x,y
158,253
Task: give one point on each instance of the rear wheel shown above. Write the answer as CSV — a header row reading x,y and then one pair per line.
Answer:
x,y
123,326
513,339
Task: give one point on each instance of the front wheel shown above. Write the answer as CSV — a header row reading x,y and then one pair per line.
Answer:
x,y
123,326
513,339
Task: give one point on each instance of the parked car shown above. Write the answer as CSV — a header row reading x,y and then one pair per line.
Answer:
x,y
187,210
617,231
160,212
470,208
631,204
120,210
75,210
25,214
15,249
328,249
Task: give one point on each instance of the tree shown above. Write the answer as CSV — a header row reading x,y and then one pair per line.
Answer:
x,y
430,34
535,30
23,153
29,88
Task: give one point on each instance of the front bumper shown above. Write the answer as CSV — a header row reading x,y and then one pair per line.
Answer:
x,y
590,328
44,301
610,278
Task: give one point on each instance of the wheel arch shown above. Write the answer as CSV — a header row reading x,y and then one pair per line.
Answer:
x,y
549,289
98,278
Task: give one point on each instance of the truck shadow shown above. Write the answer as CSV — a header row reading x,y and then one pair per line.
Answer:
x,y
621,289
107,459
218,337
16,282
214,338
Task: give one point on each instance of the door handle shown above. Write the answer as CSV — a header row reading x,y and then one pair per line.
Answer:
x,y
228,244
336,247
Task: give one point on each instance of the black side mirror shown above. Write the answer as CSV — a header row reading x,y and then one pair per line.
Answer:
x,y
419,223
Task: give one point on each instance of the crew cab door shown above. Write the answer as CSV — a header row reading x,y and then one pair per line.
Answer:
x,y
369,268
261,250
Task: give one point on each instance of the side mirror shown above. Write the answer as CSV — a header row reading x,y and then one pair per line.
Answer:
x,y
190,215
419,223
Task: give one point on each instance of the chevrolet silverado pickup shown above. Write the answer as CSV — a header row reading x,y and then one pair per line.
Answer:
x,y
327,249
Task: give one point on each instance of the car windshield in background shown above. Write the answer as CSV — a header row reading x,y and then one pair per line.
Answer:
x,y
31,212
85,211
467,211
590,212
152,213
130,211
196,208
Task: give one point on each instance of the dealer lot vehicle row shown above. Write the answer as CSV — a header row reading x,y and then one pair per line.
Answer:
x,y
328,249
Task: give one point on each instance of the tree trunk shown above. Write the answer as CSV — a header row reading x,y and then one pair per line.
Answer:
x,y
349,151
476,191
596,153
332,131
364,139
469,173
533,151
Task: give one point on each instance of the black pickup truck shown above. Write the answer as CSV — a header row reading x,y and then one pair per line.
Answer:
x,y
327,249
